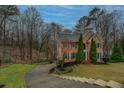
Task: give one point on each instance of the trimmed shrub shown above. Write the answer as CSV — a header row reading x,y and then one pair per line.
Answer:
x,y
60,64
106,60
116,54
116,61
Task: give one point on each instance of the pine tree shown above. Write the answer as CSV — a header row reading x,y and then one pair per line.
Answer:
x,y
81,24
93,51
80,55
116,53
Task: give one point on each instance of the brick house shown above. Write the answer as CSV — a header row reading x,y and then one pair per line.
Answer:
x,y
68,46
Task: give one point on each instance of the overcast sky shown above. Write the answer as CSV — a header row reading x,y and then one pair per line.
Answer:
x,y
67,15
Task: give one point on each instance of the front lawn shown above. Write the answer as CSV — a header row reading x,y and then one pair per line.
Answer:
x,y
13,75
113,71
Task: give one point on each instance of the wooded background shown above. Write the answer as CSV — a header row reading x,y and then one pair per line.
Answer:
x,y
25,37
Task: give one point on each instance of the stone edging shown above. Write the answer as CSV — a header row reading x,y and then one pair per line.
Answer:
x,y
100,82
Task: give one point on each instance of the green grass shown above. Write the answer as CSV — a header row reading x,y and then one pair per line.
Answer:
x,y
13,76
113,71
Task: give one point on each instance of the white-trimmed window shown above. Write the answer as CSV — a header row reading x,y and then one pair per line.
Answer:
x,y
99,55
73,55
66,55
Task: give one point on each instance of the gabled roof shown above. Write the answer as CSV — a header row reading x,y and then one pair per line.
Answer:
x,y
74,37
98,37
69,37
90,34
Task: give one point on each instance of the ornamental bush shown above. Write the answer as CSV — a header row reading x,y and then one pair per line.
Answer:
x,y
60,64
80,54
116,54
93,51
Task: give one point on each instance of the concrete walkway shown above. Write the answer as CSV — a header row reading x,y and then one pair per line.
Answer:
x,y
39,78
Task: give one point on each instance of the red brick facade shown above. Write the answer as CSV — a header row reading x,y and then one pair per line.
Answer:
x,y
68,48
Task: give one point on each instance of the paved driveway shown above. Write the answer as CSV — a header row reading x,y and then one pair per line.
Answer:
x,y
39,78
